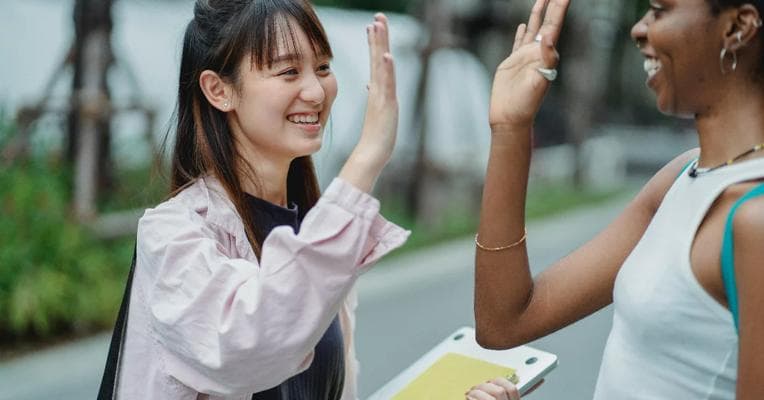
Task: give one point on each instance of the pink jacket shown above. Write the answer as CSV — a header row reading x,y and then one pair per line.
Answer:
x,y
208,321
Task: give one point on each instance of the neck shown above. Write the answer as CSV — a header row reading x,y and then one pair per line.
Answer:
x,y
264,178
733,125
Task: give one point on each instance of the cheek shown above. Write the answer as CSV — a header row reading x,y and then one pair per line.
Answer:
x,y
330,88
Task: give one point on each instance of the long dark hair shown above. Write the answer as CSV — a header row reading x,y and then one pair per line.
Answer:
x,y
218,38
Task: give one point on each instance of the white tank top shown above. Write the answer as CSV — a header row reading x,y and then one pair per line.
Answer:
x,y
670,339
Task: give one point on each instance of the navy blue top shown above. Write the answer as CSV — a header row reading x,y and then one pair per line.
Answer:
x,y
325,377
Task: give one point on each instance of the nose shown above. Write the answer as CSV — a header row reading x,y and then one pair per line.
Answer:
x,y
312,91
639,31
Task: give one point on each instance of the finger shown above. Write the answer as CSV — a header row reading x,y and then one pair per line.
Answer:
x,y
553,20
379,39
534,21
509,388
382,65
385,37
373,51
549,56
477,394
494,390
389,74
519,34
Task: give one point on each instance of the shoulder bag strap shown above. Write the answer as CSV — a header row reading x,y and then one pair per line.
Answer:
x,y
109,380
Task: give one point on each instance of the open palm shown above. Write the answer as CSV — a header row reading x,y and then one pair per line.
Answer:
x,y
518,87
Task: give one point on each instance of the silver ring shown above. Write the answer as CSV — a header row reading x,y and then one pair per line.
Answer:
x,y
549,74
538,38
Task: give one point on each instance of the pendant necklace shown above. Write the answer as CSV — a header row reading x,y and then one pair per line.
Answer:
x,y
695,172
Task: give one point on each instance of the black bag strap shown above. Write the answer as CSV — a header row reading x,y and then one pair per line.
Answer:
x,y
110,372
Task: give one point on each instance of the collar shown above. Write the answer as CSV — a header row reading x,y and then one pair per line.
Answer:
x,y
212,201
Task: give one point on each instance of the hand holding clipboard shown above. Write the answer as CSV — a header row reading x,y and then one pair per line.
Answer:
x,y
458,363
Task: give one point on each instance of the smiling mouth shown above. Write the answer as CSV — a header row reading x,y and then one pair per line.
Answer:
x,y
652,66
304,119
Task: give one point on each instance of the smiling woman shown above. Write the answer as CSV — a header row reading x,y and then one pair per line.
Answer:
x,y
682,263
242,285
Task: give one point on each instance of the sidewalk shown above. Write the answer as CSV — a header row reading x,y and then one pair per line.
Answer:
x,y
73,372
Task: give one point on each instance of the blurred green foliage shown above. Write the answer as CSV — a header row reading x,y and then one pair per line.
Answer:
x,y
55,278
400,6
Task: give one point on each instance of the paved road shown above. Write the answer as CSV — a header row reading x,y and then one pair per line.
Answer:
x,y
407,305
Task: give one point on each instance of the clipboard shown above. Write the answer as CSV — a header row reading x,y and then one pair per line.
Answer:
x,y
458,363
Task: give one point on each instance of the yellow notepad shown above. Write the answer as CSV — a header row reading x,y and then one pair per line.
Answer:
x,y
450,377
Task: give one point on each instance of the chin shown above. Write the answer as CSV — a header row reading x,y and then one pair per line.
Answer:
x,y
669,107
310,149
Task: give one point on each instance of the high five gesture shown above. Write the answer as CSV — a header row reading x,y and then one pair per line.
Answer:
x,y
523,78
381,122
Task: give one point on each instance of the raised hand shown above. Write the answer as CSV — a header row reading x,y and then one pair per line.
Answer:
x,y
519,86
380,125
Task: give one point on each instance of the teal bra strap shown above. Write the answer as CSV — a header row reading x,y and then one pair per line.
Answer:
x,y
728,255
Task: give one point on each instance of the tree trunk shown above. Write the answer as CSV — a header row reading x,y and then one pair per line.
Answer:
x,y
88,145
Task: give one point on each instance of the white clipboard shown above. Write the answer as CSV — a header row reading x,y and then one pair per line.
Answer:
x,y
530,364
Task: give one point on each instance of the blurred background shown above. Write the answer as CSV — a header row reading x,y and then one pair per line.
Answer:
x,y
87,91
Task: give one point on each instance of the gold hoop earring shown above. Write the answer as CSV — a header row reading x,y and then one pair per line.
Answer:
x,y
723,56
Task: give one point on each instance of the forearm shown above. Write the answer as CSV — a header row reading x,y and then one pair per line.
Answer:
x,y
362,170
503,283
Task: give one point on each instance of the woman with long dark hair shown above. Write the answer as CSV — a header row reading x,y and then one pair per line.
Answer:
x,y
683,263
243,281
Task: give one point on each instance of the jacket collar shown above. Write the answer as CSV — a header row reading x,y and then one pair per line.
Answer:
x,y
221,212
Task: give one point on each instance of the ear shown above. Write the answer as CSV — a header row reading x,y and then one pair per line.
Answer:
x,y
218,92
745,24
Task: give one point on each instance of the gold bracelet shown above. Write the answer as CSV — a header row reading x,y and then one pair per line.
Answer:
x,y
509,246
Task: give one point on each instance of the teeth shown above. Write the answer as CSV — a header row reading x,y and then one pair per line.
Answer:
x,y
652,66
303,118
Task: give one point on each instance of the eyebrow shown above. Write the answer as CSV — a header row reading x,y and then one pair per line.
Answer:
x,y
291,57
294,57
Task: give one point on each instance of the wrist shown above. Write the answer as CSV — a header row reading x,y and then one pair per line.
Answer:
x,y
362,170
510,134
509,128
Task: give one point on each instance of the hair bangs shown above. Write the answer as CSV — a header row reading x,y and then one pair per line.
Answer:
x,y
273,34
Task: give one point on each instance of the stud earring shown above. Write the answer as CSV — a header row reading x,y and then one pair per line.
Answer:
x,y
225,106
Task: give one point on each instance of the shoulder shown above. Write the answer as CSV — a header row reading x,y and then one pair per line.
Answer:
x,y
185,210
655,190
748,223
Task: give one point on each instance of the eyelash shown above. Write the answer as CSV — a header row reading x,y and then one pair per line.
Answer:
x,y
656,10
324,68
